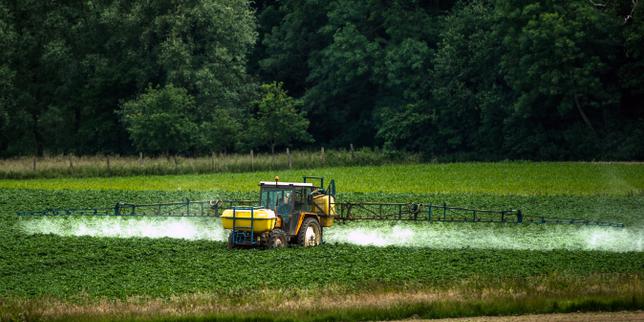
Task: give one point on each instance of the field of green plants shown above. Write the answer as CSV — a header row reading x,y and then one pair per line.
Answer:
x,y
507,178
69,268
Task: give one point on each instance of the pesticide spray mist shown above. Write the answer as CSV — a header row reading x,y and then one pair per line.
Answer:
x,y
122,227
435,235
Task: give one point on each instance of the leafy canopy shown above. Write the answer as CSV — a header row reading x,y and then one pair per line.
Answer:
x,y
162,120
278,121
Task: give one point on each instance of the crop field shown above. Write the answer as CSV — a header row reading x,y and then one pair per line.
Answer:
x,y
508,178
180,268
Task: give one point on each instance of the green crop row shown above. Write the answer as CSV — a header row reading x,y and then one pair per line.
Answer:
x,y
508,178
67,268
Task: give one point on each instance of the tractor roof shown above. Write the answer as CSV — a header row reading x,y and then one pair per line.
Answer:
x,y
285,184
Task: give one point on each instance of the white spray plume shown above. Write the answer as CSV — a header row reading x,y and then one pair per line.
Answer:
x,y
123,227
436,235
490,236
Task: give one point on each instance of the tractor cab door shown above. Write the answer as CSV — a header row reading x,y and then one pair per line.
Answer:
x,y
281,202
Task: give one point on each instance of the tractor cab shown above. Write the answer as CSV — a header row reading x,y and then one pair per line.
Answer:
x,y
287,200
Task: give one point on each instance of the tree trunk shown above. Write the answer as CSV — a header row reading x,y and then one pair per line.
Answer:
x,y
583,114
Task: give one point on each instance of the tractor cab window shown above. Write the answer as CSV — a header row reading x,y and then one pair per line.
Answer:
x,y
279,201
301,199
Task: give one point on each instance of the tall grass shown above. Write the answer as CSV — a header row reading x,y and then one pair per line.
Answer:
x,y
103,166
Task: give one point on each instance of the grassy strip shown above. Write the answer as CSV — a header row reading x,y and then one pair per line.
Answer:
x,y
539,294
98,166
507,178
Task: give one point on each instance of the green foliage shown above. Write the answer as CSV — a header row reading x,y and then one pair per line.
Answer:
x,y
278,121
76,63
525,80
405,129
88,269
67,268
470,99
453,80
162,120
367,65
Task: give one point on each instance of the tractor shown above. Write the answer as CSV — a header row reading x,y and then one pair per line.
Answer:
x,y
289,213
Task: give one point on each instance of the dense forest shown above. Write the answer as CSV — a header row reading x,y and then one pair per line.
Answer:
x,y
470,80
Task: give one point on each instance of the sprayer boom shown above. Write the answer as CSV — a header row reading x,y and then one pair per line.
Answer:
x,y
185,208
292,201
429,212
345,211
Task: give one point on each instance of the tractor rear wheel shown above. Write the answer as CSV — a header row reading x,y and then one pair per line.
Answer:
x,y
310,233
276,239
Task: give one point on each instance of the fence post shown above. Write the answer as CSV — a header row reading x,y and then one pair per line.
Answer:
x,y
288,155
176,165
430,212
252,161
351,149
71,163
212,161
322,155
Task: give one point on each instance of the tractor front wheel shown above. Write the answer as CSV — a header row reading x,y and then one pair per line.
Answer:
x,y
310,233
276,238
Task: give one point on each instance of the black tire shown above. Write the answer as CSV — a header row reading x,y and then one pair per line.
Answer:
x,y
310,233
276,239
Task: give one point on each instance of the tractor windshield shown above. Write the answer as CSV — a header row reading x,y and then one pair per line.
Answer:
x,y
277,200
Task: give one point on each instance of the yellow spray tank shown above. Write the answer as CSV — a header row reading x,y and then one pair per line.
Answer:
x,y
263,220
326,204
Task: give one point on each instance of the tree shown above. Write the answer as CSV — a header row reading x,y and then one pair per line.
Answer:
x,y
7,42
557,59
452,94
162,120
75,63
277,120
348,60
469,92
290,34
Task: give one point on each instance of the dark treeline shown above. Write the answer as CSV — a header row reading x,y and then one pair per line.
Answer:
x,y
471,80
